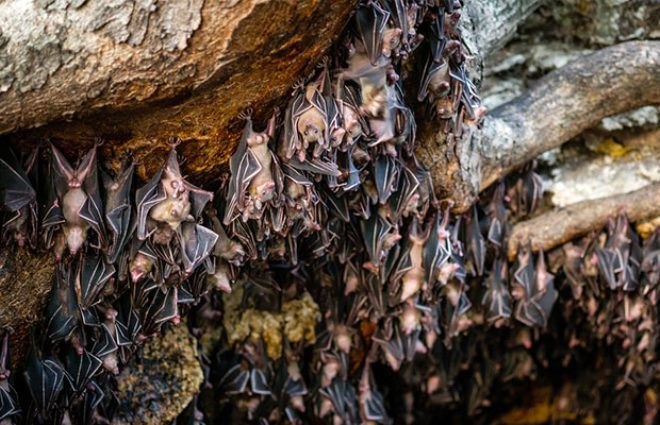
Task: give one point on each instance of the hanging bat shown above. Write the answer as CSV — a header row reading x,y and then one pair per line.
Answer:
x,y
385,173
118,209
19,198
348,102
92,398
44,378
476,245
413,280
80,369
438,251
235,380
168,199
371,23
8,397
64,317
374,230
196,242
497,216
255,177
394,123
534,289
497,299
372,404
79,198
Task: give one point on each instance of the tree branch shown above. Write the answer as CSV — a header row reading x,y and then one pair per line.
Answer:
x,y
561,225
560,106
568,101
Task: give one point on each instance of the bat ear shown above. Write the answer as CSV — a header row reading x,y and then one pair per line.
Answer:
x,y
87,165
60,163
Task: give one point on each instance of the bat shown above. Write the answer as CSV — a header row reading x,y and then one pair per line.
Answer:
x,y
92,274
476,245
385,173
235,380
371,24
535,289
44,378
143,259
255,177
63,313
8,397
414,278
438,250
392,122
497,298
80,369
118,209
168,199
348,103
312,119
79,198
196,243
19,198
372,404
374,230
92,398
497,216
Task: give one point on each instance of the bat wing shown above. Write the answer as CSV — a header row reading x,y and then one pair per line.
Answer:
x,y
338,205
247,167
371,22
16,191
476,243
235,380
146,197
118,210
81,368
259,383
373,231
93,397
385,174
432,70
92,210
437,251
197,242
8,402
62,308
199,198
606,259
105,344
44,379
94,274
61,171
316,166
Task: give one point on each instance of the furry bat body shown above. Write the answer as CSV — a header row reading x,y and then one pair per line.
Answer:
x,y
79,200
255,175
166,201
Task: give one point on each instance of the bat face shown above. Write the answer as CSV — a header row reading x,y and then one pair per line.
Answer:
x,y
168,200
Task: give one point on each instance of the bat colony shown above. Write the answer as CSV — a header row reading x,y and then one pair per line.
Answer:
x,y
324,254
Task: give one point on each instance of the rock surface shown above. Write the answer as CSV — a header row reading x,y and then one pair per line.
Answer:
x,y
25,282
161,381
138,74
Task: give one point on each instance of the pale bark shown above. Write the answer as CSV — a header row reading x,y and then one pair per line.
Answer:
x,y
560,106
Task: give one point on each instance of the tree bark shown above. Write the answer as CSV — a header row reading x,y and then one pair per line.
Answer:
x,y
561,105
561,225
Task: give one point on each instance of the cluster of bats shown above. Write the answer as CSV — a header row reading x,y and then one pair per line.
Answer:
x,y
329,200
